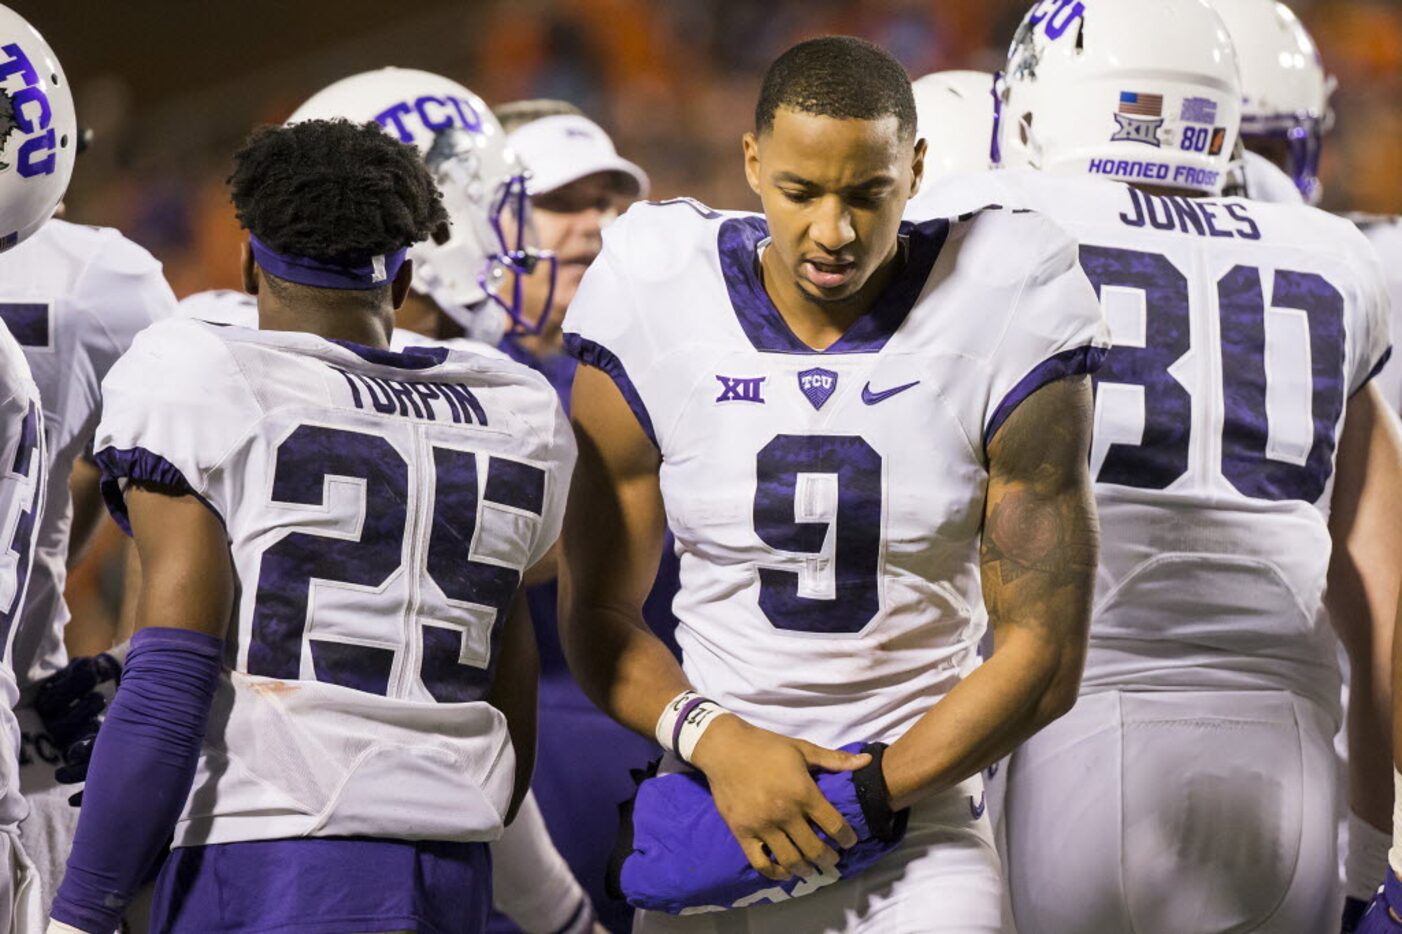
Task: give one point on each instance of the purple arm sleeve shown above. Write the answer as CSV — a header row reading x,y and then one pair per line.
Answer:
x,y
142,767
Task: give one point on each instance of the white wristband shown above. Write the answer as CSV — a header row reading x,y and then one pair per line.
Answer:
x,y
684,720
1394,856
1365,859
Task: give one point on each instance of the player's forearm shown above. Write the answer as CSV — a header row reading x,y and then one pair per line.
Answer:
x,y
1365,524
626,670
141,772
1039,553
1027,684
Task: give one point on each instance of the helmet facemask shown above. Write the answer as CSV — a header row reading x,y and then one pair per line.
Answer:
x,y
476,270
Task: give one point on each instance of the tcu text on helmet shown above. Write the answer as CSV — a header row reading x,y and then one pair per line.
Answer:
x,y
435,113
38,154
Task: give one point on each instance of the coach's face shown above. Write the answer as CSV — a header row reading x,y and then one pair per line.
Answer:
x,y
833,192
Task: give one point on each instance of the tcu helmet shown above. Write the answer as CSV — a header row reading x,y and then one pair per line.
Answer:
x,y
475,268
1140,91
954,110
1284,87
38,130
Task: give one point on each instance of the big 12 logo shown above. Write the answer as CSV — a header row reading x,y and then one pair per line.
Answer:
x,y
27,111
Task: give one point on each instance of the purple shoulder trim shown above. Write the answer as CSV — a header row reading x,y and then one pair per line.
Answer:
x,y
1074,362
600,357
119,464
410,358
738,242
1377,368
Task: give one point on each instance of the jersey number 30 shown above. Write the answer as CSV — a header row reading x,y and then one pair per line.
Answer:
x,y
309,456
1254,463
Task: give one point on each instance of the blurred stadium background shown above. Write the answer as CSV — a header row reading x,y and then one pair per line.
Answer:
x,y
170,88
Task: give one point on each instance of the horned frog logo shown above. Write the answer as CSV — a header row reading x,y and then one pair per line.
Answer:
x,y
8,123
1027,54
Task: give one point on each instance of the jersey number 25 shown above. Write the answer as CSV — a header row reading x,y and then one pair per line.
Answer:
x,y
455,663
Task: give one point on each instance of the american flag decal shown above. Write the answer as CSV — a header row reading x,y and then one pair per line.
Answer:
x,y
1141,105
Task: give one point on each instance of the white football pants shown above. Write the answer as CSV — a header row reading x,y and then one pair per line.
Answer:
x,y
1176,813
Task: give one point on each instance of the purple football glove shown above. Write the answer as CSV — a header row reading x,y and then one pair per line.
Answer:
x,y
676,852
1386,907
69,702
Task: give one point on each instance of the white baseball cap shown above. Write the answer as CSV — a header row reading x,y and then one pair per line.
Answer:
x,y
564,148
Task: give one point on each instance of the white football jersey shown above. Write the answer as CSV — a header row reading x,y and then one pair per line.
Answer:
x,y
381,508
22,477
1385,233
827,506
74,297
1240,331
225,306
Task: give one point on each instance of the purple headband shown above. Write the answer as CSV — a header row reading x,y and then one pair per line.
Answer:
x,y
367,273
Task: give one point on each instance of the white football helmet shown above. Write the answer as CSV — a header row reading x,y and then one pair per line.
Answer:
x,y
1284,87
38,130
473,273
1141,91
954,110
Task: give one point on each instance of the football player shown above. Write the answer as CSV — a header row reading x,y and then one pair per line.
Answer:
x,y
1285,117
21,505
843,420
1237,435
37,151
532,883
74,297
332,534
578,185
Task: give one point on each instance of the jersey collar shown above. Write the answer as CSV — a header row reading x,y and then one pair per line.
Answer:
x,y
739,241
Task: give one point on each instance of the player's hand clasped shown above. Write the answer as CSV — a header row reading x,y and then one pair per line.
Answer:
x,y
763,787
681,848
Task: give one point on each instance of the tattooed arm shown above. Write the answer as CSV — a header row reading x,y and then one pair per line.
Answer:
x,y
1039,553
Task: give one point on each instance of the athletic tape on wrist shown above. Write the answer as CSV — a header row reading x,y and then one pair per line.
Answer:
x,y
1394,855
1365,859
684,720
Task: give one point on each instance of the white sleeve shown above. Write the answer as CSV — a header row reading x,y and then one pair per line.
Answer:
x,y
1373,340
1056,328
123,291
531,882
603,331
173,407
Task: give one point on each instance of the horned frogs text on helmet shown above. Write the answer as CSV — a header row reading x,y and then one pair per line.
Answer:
x,y
38,130
1285,108
1140,91
474,270
954,111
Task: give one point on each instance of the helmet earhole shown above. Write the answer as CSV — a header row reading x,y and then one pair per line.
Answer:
x,y
53,79
63,141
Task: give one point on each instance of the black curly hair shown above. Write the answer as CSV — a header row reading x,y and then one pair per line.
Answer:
x,y
333,190
837,76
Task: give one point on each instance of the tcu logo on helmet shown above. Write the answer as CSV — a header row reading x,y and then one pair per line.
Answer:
x,y
1058,16
436,114
28,111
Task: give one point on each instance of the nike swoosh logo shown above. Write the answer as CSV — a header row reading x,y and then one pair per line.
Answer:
x,y
871,398
977,809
